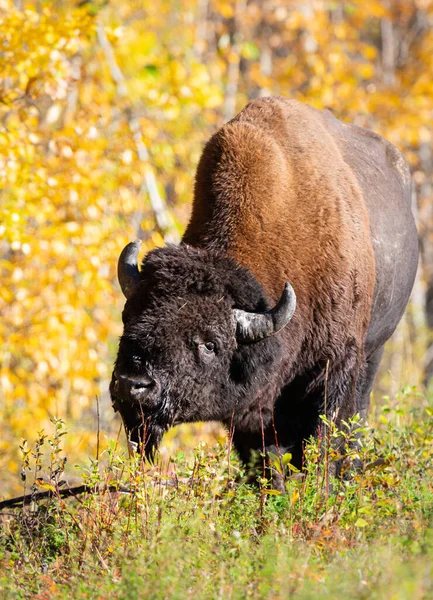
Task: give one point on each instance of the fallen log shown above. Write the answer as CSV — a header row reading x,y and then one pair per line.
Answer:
x,y
65,493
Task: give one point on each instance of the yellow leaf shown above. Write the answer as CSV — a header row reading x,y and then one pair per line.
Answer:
x,y
361,522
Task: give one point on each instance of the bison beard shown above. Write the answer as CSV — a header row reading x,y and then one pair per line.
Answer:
x,y
283,192
145,431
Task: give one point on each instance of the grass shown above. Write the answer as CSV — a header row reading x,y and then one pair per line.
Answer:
x,y
191,527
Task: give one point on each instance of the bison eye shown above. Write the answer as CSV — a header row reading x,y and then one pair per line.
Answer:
x,y
207,350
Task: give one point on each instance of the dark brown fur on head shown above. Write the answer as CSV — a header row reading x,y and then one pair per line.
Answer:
x,y
186,298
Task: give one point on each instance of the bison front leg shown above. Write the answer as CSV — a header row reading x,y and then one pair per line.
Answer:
x,y
259,459
261,451
364,381
343,398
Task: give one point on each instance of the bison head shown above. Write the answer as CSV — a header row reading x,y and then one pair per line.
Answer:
x,y
197,340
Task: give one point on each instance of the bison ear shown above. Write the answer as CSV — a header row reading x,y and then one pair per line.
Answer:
x,y
127,268
253,327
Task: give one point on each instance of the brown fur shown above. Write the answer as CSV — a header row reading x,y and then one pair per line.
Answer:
x,y
274,192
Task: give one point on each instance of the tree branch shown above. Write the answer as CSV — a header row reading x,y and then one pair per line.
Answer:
x,y
388,51
163,219
66,493
234,61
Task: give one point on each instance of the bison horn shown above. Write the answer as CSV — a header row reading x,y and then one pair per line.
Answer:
x,y
252,327
127,269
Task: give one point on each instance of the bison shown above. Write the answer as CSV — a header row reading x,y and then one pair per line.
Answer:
x,y
295,269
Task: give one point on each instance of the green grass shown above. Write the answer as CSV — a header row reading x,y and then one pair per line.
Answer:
x,y
193,529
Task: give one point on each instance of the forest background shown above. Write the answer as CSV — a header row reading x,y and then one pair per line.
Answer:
x,y
104,110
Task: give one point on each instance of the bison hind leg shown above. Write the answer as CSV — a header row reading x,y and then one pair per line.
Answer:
x,y
366,382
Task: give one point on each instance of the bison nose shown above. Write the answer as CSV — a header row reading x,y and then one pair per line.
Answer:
x,y
135,388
